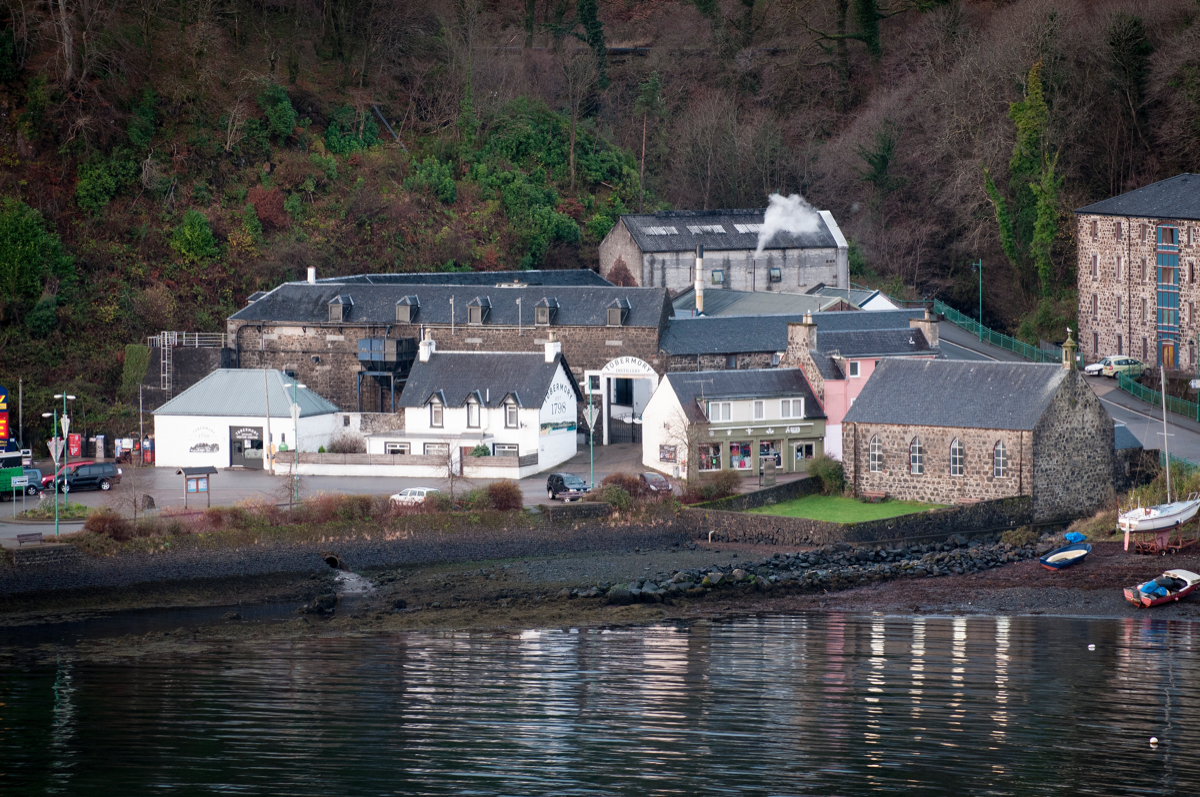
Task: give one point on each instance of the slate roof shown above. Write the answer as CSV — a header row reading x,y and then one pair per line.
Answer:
x,y
455,375
579,277
302,303
855,296
1177,197
768,383
826,236
1123,438
240,391
763,333
957,393
722,301
866,343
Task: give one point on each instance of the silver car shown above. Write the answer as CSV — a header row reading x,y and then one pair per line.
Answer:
x,y
1097,368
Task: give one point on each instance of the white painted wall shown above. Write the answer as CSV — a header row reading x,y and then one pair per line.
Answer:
x,y
662,420
176,435
833,440
557,419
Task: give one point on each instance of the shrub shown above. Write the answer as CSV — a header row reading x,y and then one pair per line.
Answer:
x,y
326,163
612,494
1018,537
475,500
347,444
439,502
346,133
627,482
141,123
109,524
506,495
269,207
481,450
829,472
294,206
193,238
251,225
435,177
725,483
43,318
281,116
29,252
321,450
99,180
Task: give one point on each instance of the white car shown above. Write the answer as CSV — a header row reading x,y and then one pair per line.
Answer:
x,y
1097,368
413,495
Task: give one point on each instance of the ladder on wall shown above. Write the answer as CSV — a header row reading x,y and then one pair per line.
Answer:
x,y
164,367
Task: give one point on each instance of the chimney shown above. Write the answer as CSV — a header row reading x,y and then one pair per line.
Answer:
x,y
312,275
802,336
928,326
553,347
426,349
1069,348
700,279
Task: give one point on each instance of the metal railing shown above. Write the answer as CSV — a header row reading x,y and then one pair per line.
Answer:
x,y
998,339
195,340
1188,409
1179,465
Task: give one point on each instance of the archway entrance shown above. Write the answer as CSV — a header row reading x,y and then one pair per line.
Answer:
x,y
623,387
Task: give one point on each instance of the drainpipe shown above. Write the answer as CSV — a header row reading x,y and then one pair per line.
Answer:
x,y
700,279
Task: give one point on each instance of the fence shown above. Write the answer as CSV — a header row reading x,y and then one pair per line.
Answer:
x,y
1179,465
1189,409
998,339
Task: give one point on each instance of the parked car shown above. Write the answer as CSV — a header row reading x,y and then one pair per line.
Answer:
x,y
1097,368
413,495
566,486
35,481
65,470
1124,365
655,483
90,476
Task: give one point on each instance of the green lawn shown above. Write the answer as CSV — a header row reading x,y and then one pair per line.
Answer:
x,y
836,509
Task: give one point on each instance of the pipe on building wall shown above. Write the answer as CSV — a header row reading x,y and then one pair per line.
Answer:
x,y
699,279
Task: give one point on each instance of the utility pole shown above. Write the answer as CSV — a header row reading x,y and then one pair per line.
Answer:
x,y
642,170
141,428
978,266
267,445
21,410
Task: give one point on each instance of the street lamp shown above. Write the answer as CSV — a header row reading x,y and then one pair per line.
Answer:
x,y
295,386
66,427
978,266
54,456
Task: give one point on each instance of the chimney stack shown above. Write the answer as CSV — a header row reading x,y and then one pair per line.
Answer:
x,y
312,275
700,279
928,326
802,337
553,347
426,348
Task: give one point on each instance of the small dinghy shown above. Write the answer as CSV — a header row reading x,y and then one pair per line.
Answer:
x,y
1066,556
1170,586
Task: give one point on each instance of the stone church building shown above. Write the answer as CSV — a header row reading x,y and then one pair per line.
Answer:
x,y
949,431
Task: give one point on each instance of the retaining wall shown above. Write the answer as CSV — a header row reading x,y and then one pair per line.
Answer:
x,y
768,496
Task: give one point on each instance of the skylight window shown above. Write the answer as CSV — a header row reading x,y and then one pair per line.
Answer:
x,y
661,231
753,228
701,229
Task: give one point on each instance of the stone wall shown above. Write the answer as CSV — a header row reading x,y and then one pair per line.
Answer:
x,y
1104,330
987,517
1072,454
797,488
683,363
800,342
619,245
1133,467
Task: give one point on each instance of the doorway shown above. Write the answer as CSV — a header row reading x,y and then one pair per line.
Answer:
x,y
246,447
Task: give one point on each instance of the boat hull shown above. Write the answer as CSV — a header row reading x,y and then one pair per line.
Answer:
x,y
1144,601
1056,561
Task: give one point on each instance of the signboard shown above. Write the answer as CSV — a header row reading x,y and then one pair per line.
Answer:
x,y
1194,384
56,447
246,433
3,418
20,481
75,444
666,453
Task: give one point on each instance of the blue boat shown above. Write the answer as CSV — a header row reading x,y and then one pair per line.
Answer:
x,y
1065,556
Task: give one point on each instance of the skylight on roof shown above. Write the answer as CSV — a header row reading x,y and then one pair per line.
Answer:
x,y
701,229
661,231
754,228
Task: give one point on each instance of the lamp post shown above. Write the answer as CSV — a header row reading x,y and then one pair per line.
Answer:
x,y
978,266
295,386
66,427
54,456
591,439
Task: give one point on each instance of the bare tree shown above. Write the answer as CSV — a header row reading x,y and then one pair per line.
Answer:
x,y
686,435
449,466
235,122
579,71
129,496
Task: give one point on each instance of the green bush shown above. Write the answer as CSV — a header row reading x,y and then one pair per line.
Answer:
x,y
43,318
476,500
99,179
193,238
627,482
321,449
141,123
829,472
612,494
281,116
506,495
29,252
251,223
480,450
435,177
327,164
294,205
346,134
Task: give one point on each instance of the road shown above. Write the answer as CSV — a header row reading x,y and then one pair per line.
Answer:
x,y
1144,421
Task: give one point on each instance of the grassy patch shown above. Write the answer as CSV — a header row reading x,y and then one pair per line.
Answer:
x,y
836,509
45,511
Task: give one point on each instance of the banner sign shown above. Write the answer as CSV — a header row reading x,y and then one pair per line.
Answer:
x,y
75,444
3,418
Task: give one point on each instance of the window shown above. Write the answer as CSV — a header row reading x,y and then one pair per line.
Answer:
x,y
345,420
1119,231
1096,343
718,410
775,359
472,415
999,461
740,457
791,408
1095,305
804,451
614,316
1191,236
876,458
769,450
1095,266
437,449
956,455
541,316
505,450
775,274
916,457
760,410
662,231
435,414
1144,349
510,415
1145,229
730,362
1191,312
396,448
594,383
703,229
1120,342
852,369
1191,270
718,276
1143,305
623,392
1095,228
1118,308
748,228
475,315
710,456
1118,269
1143,269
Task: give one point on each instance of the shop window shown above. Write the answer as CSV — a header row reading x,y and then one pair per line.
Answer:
x,y
999,461
740,456
916,457
956,458
804,451
718,410
760,410
876,459
510,415
505,450
400,449
710,456
852,369
435,414
769,450
791,408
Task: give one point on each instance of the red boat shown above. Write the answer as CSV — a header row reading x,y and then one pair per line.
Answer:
x,y
1170,586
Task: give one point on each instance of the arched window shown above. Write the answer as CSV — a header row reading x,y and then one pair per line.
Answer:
x,y
1000,461
876,455
956,458
916,457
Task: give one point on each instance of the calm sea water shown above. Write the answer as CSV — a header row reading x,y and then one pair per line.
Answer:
x,y
815,704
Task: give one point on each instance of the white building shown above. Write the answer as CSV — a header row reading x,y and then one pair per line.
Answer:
x,y
519,406
231,417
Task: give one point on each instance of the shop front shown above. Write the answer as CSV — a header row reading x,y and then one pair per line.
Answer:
x,y
745,449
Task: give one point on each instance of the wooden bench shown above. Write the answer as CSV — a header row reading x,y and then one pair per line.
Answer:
x,y
873,497
24,538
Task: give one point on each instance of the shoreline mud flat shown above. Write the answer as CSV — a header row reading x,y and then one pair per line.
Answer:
x,y
641,587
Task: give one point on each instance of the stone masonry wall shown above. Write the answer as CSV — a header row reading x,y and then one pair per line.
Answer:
x,y
1072,454
936,485
1111,327
798,355
678,363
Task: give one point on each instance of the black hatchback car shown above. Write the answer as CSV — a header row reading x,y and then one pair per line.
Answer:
x,y
97,476
566,486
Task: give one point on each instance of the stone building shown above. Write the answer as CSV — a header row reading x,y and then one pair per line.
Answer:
x,y
659,250
943,431
1138,254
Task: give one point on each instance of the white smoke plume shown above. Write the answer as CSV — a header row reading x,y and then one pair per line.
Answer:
x,y
789,213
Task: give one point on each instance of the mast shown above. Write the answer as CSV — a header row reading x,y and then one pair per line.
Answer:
x,y
1166,452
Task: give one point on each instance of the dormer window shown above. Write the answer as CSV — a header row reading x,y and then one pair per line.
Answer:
x,y
406,309
436,414
339,308
618,312
478,309
545,311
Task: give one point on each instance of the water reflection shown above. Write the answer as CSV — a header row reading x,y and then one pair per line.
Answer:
x,y
814,704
